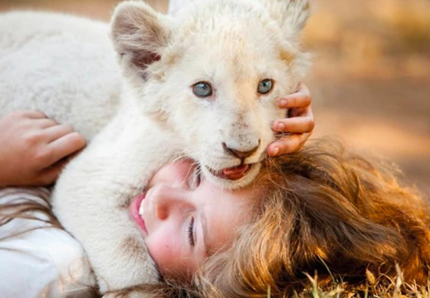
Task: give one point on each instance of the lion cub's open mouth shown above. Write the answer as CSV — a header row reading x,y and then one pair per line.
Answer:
x,y
233,173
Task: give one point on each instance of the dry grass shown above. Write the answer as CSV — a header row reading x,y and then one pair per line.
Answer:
x,y
383,287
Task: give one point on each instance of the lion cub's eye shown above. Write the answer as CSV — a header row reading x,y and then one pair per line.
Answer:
x,y
265,86
202,89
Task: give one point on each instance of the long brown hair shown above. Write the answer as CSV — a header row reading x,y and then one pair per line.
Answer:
x,y
324,210
24,202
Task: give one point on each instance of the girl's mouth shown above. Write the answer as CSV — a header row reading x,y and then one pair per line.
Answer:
x,y
136,212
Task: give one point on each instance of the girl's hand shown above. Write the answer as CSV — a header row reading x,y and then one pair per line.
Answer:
x,y
33,148
297,127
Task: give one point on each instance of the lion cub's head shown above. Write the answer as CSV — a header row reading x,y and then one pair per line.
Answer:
x,y
213,74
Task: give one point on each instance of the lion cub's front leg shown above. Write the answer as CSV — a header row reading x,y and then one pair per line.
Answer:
x,y
91,199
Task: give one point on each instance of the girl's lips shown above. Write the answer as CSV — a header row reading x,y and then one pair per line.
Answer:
x,y
134,212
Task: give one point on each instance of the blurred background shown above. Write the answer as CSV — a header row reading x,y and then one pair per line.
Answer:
x,y
370,80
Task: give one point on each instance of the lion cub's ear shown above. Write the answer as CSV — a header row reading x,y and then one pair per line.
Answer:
x,y
139,34
291,15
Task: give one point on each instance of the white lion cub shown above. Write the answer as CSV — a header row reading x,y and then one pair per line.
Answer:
x,y
202,84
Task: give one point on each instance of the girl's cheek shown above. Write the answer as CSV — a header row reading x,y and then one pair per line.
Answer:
x,y
164,252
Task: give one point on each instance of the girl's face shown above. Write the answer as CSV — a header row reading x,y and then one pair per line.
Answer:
x,y
185,218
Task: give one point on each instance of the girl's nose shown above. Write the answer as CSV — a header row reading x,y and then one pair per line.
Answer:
x,y
171,201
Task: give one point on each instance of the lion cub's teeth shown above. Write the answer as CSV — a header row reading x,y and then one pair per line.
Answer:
x,y
141,209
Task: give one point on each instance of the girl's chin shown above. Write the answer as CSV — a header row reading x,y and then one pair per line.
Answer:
x,y
134,212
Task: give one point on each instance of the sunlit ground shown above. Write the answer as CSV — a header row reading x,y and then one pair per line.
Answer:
x,y
371,76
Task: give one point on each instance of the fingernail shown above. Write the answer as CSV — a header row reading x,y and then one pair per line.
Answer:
x,y
275,151
281,126
282,102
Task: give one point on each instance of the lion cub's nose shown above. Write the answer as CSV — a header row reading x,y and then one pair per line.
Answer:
x,y
240,154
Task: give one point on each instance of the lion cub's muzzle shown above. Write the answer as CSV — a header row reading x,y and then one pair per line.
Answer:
x,y
242,155
236,172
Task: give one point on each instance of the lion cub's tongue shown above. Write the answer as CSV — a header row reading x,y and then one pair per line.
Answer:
x,y
235,173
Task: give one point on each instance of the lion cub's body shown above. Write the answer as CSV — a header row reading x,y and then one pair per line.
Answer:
x,y
231,44
62,65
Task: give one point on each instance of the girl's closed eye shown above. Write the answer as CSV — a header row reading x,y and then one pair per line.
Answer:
x,y
191,232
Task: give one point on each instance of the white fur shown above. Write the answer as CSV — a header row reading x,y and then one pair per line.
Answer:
x,y
233,44
61,65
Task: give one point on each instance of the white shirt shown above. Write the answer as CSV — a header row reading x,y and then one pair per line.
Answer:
x,y
36,258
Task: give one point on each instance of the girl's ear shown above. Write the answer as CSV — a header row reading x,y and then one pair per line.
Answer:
x,y
139,35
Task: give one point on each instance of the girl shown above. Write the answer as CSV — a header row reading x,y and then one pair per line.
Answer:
x,y
323,209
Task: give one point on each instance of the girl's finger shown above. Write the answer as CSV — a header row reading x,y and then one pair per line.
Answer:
x,y
300,99
65,146
42,123
287,145
34,114
294,125
57,131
